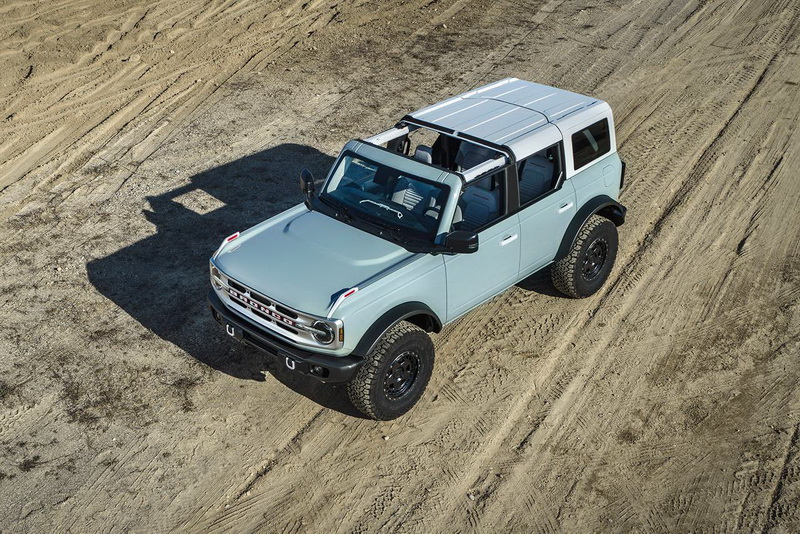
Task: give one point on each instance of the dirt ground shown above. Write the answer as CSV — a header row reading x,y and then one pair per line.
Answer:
x,y
134,135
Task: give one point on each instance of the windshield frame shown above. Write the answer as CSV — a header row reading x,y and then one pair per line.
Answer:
x,y
352,214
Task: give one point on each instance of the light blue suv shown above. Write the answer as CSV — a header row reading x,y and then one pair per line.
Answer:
x,y
502,181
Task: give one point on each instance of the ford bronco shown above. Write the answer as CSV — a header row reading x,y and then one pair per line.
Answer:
x,y
502,181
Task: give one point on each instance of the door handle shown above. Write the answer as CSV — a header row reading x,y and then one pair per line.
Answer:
x,y
565,207
508,239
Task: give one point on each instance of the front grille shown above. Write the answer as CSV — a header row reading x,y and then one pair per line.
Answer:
x,y
266,302
285,311
271,312
237,286
240,304
258,313
280,319
287,328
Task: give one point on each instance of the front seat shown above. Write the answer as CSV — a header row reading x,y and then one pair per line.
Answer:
x,y
479,206
424,154
408,194
386,180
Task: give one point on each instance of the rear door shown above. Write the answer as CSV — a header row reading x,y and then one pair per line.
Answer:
x,y
547,205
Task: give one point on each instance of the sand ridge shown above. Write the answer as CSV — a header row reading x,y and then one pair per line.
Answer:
x,y
136,135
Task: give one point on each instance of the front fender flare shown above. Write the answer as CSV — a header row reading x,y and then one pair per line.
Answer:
x,y
600,205
391,318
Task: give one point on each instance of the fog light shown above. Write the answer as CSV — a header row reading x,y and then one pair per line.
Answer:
x,y
317,370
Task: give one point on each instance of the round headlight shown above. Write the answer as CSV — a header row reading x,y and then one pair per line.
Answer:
x,y
323,333
216,279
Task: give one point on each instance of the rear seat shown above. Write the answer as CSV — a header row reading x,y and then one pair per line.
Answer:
x,y
536,179
470,155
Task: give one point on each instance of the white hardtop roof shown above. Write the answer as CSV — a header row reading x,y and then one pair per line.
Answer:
x,y
503,111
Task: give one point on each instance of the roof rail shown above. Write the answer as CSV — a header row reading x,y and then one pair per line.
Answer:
x,y
503,149
483,168
388,135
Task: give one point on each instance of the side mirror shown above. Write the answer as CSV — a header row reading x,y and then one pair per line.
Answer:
x,y
307,182
461,242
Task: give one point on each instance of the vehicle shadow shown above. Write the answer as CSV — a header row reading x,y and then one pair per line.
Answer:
x,y
540,282
161,281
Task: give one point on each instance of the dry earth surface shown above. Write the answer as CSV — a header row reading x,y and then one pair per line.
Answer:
x,y
134,135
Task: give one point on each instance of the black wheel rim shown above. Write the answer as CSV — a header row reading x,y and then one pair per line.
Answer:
x,y
594,259
401,375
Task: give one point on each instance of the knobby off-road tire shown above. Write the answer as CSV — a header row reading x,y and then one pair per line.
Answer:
x,y
587,266
395,373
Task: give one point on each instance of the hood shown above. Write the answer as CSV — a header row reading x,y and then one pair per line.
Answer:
x,y
305,259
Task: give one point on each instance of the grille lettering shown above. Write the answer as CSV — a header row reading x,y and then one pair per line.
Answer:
x,y
258,306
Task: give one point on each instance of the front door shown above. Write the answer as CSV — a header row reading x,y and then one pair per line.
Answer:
x,y
473,278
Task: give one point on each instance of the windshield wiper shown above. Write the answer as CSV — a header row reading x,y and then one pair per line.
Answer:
x,y
341,209
394,231
384,207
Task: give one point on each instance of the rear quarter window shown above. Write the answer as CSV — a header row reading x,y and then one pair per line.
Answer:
x,y
590,143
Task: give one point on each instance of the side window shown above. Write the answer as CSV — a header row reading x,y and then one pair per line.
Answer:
x,y
590,143
481,203
539,174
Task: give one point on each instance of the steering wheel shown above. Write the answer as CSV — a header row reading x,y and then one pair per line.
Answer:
x,y
354,185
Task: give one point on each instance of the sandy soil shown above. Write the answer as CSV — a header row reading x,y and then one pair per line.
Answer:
x,y
134,135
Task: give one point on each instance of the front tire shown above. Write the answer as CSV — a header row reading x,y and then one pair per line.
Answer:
x,y
395,373
583,271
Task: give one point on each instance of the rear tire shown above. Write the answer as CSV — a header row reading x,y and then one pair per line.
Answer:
x,y
582,272
395,373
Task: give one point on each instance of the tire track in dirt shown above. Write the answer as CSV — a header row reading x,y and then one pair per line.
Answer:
x,y
776,510
21,165
673,234
684,193
292,446
470,329
461,438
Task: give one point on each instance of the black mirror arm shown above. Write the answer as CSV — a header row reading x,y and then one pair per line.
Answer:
x,y
307,186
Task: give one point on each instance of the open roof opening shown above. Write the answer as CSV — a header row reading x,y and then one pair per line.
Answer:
x,y
468,158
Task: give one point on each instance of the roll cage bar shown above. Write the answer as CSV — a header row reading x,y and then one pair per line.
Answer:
x,y
408,124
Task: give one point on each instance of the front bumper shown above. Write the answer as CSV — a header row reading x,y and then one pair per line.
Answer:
x,y
325,368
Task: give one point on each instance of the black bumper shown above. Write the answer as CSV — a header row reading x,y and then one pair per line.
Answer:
x,y
330,369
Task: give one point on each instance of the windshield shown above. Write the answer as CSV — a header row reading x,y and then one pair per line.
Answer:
x,y
386,197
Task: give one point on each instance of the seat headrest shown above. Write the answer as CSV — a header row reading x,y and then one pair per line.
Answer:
x,y
470,155
486,183
383,175
424,154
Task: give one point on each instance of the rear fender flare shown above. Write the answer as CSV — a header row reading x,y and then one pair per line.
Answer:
x,y
599,205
